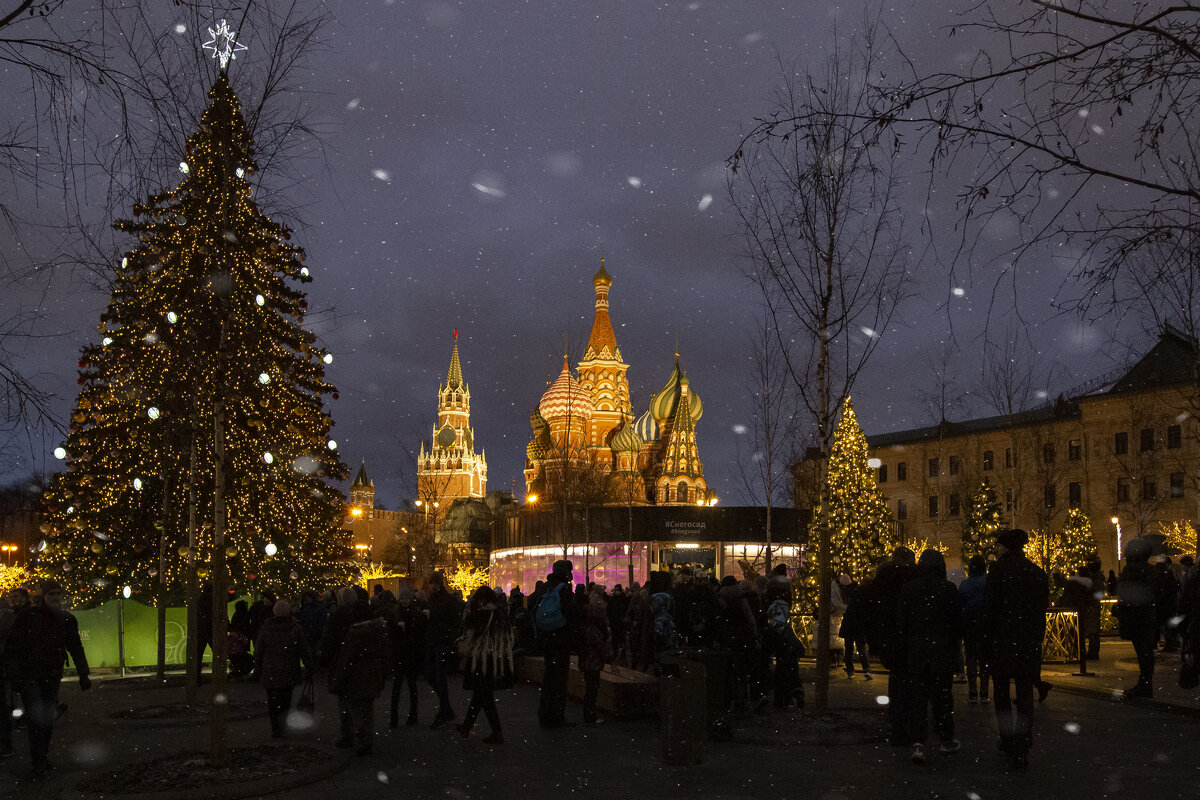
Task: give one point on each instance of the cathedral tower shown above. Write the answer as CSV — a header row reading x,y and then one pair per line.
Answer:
x,y
450,469
602,373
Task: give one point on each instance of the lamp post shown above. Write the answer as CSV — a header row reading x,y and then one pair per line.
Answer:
x,y
8,552
1117,521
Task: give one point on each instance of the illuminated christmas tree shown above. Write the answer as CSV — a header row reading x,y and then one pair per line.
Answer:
x,y
982,521
1076,544
862,531
204,329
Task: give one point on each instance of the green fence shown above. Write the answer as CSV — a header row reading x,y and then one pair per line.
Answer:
x,y
129,628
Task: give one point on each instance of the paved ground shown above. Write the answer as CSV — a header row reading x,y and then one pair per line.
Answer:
x,y
1087,747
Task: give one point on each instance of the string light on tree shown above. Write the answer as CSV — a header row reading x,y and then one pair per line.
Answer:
x,y
983,519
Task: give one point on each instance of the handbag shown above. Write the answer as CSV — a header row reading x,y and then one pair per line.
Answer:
x,y
307,703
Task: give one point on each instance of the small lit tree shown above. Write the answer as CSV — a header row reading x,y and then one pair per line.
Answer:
x,y
862,528
982,521
467,579
1180,536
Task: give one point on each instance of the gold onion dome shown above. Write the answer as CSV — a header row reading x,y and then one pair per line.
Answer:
x,y
647,427
566,397
663,404
602,278
537,449
626,439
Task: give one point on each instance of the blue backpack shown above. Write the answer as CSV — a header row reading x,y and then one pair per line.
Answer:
x,y
549,615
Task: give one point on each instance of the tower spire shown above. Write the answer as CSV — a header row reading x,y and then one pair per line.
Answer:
x,y
454,379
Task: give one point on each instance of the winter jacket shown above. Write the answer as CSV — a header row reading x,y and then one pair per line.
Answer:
x,y
39,643
278,652
362,661
856,620
929,621
1014,615
407,632
595,649
883,593
486,648
445,620
970,600
1137,592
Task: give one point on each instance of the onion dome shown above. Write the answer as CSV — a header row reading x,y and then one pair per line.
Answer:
x,y
626,439
541,444
602,278
566,397
663,404
647,427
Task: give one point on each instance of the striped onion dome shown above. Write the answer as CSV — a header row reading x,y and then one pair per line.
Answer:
x,y
663,404
626,439
566,397
647,427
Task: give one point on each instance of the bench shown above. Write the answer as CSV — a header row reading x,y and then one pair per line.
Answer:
x,y
623,693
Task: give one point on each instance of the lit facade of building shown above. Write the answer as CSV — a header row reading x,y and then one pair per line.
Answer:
x,y
587,444
1124,448
368,527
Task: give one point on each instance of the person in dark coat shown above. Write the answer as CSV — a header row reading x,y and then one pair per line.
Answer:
x,y
856,623
359,673
41,638
406,631
780,640
883,593
929,635
444,611
1013,626
556,648
970,599
282,658
486,650
313,615
1137,593
595,648
336,628
1091,619
204,627
618,607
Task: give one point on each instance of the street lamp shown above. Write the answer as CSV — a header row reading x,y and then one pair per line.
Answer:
x,y
8,551
1117,521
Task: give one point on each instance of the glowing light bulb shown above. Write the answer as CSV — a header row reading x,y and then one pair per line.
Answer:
x,y
304,272
259,300
328,359
172,317
137,484
264,378
267,457
332,444
152,412
241,173
270,549
106,341
60,453
184,168
127,592
124,263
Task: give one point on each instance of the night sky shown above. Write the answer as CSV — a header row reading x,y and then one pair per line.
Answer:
x,y
481,158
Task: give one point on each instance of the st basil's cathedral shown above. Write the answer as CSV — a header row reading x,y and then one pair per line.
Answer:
x,y
587,441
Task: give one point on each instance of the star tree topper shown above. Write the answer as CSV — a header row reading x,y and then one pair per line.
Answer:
x,y
223,44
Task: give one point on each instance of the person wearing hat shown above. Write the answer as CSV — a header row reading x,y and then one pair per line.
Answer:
x,y
282,659
41,638
406,631
1012,626
556,646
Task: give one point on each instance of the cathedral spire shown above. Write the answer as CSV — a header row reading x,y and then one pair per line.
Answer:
x,y
602,330
454,378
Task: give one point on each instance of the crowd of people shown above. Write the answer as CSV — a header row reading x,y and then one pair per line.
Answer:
x,y
923,629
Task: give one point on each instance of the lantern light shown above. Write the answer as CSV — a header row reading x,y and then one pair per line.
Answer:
x,y
270,549
264,378
184,168
153,413
267,457
328,358
332,444
259,300
137,484
60,453
172,317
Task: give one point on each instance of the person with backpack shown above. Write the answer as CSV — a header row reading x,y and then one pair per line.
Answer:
x,y
41,638
554,623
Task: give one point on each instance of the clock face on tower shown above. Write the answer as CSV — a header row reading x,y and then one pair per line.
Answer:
x,y
445,437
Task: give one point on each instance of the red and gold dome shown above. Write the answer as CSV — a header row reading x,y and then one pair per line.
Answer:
x,y
566,397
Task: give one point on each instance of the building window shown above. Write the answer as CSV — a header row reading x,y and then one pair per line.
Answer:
x,y
1149,489
955,465
933,506
901,471
1008,501
681,494
1074,495
882,477
1121,443
1122,490
1176,484
1074,450
935,467
1147,439
1174,437
1048,453
952,505
1050,495
901,509
989,461
1008,459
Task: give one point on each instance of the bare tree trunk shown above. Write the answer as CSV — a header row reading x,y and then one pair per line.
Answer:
x,y
218,739
161,654
194,656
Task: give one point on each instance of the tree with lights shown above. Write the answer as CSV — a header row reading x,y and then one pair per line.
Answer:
x,y
983,519
202,408
852,507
